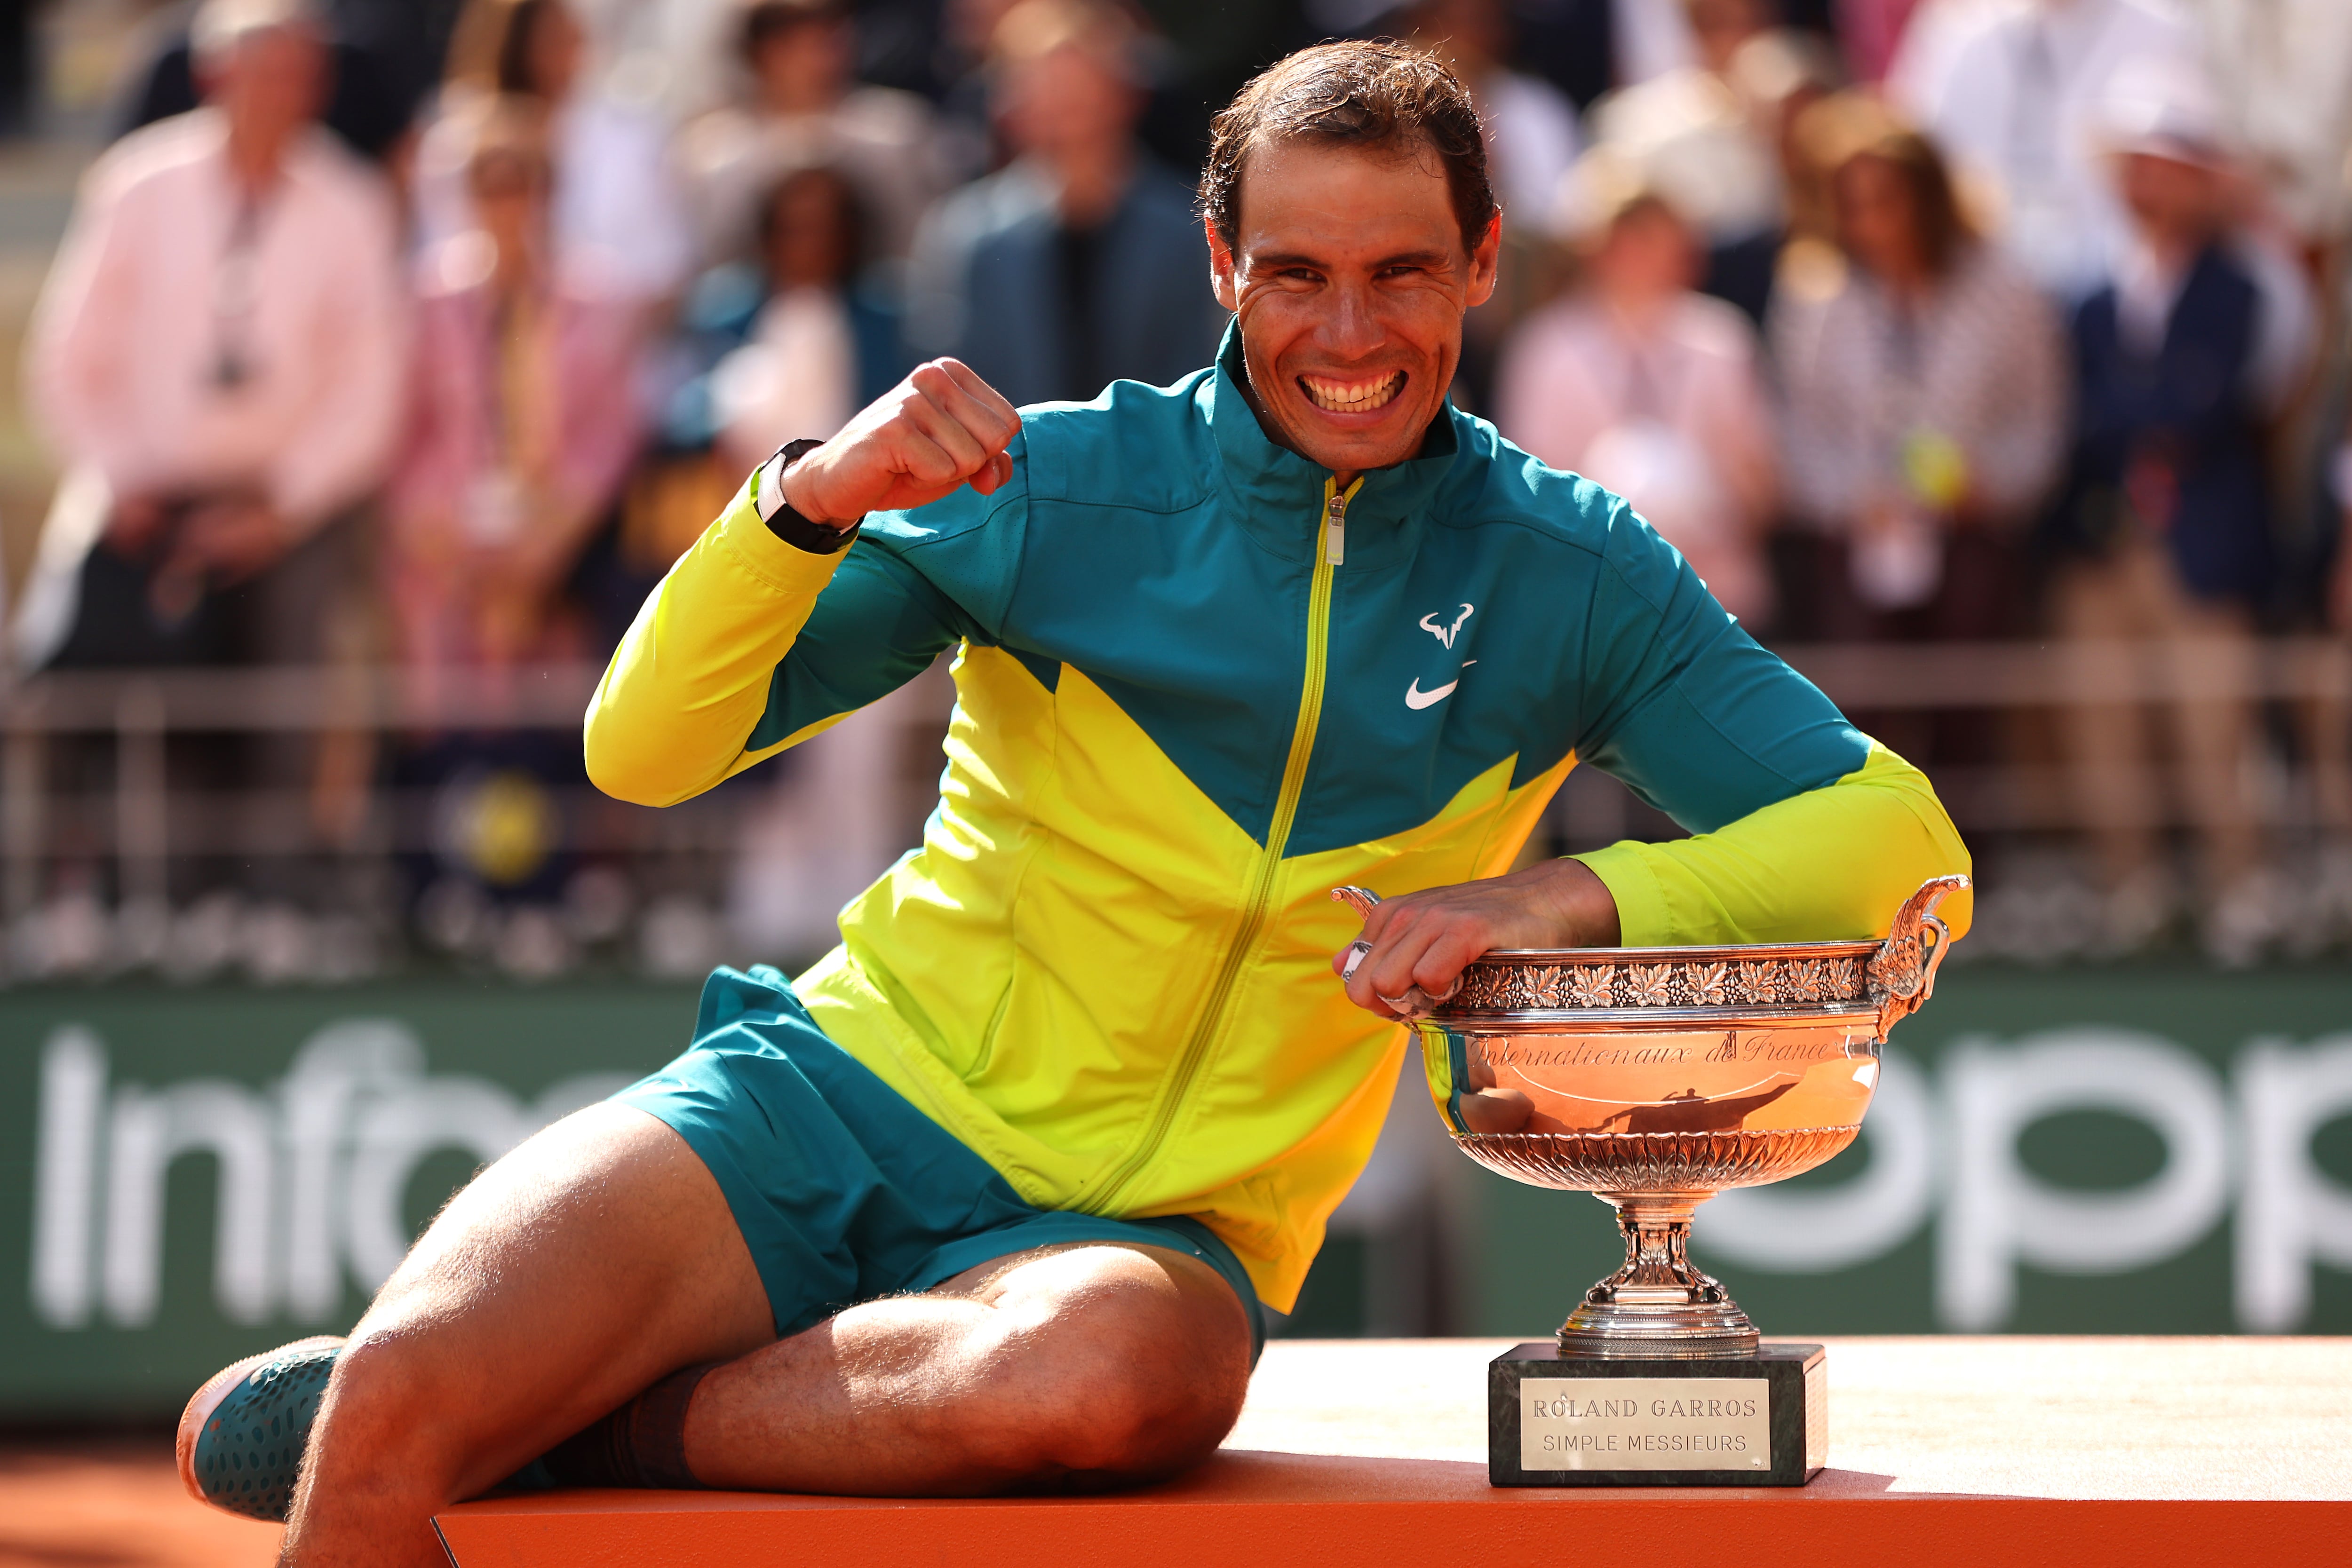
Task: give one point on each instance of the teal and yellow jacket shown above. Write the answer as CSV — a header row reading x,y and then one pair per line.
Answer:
x,y
1197,689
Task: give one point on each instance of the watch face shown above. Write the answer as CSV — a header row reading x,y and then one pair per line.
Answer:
x,y
770,490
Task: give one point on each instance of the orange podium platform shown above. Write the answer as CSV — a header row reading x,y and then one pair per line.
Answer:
x,y
1942,1451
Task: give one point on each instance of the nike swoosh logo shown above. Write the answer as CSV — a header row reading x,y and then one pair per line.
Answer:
x,y
1417,699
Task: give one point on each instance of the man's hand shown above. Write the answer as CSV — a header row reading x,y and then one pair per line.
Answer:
x,y
939,428
1422,940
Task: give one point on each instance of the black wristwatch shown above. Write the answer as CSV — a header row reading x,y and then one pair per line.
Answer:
x,y
800,532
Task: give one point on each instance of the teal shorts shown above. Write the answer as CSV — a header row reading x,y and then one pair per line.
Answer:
x,y
844,1191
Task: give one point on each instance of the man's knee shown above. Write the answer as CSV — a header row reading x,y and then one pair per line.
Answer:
x,y
1130,1378
385,1416
1141,1425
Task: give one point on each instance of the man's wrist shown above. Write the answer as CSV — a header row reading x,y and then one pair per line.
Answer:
x,y
1582,906
790,523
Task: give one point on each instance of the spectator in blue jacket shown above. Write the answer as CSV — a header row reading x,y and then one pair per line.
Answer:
x,y
1081,261
2164,538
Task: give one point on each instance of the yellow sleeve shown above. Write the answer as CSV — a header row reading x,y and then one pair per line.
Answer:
x,y
690,681
1828,865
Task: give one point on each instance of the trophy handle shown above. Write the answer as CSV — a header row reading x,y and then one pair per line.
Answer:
x,y
1903,971
1415,1003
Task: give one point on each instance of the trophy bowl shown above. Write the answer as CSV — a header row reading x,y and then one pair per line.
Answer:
x,y
1655,1077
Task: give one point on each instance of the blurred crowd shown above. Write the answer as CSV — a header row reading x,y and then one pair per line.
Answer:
x,y
1908,321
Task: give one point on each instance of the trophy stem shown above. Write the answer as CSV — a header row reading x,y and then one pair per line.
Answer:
x,y
1658,1304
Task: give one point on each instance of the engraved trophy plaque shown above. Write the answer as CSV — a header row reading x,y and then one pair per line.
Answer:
x,y
1654,1078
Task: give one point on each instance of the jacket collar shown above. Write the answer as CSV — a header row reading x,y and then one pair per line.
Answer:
x,y
1277,496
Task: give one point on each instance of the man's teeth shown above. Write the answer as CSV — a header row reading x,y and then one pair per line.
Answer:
x,y
1352,397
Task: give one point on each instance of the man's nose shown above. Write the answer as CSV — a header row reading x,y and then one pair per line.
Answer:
x,y
1353,328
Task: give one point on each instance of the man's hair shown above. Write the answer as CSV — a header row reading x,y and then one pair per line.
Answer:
x,y
220,25
1377,95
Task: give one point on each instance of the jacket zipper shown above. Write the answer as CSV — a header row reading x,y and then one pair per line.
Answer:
x,y
1334,526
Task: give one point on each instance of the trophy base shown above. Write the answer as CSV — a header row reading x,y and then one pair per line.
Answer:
x,y
1676,1329
1660,1306
1565,1420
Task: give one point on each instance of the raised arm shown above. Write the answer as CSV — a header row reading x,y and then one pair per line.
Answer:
x,y
753,640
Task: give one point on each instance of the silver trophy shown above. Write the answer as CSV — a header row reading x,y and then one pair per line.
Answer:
x,y
1654,1078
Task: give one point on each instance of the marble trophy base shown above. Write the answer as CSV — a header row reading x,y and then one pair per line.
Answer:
x,y
1754,1420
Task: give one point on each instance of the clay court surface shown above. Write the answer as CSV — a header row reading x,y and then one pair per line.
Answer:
x,y
113,1502
2011,1422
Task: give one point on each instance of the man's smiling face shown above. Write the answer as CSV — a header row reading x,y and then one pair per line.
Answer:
x,y
1350,278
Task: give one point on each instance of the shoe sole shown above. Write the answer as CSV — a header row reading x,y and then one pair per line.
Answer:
x,y
207,1399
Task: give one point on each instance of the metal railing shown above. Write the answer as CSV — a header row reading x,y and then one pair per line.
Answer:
x,y
126,835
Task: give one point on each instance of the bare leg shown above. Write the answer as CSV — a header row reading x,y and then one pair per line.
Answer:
x,y
1074,1366
592,1261
601,1256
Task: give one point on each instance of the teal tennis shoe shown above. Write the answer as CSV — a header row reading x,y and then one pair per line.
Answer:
x,y
242,1436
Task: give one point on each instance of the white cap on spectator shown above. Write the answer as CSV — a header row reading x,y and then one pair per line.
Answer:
x,y
220,25
2165,109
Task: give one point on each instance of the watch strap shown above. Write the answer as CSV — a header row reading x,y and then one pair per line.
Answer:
x,y
782,521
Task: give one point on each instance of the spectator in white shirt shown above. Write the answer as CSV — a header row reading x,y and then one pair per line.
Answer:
x,y
1642,384
218,357
2016,109
1919,70
2282,74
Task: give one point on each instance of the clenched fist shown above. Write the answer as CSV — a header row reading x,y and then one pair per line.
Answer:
x,y
939,428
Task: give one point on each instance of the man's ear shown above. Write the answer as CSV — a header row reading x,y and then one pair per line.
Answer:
x,y
1220,269
1484,257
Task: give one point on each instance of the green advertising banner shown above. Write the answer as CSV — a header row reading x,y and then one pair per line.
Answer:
x,y
190,1176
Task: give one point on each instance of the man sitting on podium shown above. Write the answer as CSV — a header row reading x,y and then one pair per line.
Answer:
x,y
1002,1193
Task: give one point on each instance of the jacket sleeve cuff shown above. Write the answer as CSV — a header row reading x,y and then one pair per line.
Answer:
x,y
1625,870
754,547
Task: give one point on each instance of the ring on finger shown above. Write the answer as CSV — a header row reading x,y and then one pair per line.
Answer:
x,y
1355,954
